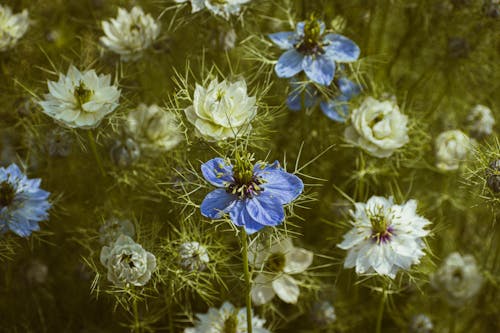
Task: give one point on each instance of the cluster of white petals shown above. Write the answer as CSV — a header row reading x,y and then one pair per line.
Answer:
x,y
481,121
378,127
276,265
154,128
223,8
12,27
458,278
222,110
385,237
227,319
130,33
193,256
80,99
452,148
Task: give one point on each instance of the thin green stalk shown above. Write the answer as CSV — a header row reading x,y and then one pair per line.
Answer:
x,y
381,312
93,146
248,283
137,325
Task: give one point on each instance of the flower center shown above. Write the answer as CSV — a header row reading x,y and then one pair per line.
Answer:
x,y
275,263
82,94
457,275
230,324
311,42
381,230
127,258
246,184
7,194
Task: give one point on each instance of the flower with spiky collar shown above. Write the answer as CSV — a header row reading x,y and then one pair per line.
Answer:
x,y
130,33
80,99
12,27
452,148
23,204
227,319
222,8
276,265
313,51
252,194
193,256
385,237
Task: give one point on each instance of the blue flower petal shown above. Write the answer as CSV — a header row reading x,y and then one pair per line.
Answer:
x,y
299,28
319,69
266,209
240,217
280,184
217,171
293,101
348,88
217,203
334,110
284,40
341,49
289,64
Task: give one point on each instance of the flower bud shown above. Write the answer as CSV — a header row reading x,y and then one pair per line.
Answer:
x,y
493,176
125,152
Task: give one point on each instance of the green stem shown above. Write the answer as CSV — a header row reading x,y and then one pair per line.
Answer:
x,y
93,146
248,283
137,325
381,312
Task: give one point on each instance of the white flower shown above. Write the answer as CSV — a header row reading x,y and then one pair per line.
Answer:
x,y
378,127
130,33
277,264
227,319
80,99
481,121
12,27
222,110
193,256
458,278
421,324
223,8
113,228
127,262
323,313
452,147
153,128
385,237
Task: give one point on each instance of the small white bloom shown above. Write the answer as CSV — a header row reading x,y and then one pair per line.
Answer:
x,y
323,313
378,127
481,121
458,278
421,324
385,237
227,319
12,27
193,256
221,111
223,8
80,99
153,128
130,33
277,264
113,228
452,147
127,262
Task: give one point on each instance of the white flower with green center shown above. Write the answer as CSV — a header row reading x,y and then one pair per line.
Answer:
x,y
452,148
385,237
193,256
481,121
127,262
130,33
227,319
12,27
223,8
222,110
276,265
154,128
458,279
378,127
80,99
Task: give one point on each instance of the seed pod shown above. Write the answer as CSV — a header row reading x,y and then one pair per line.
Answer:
x,y
493,176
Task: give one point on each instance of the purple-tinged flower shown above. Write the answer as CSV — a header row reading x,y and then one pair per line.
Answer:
x,y
336,108
22,203
252,194
313,51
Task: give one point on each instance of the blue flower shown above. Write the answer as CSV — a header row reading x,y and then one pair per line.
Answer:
x,y
335,108
252,194
22,203
310,50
